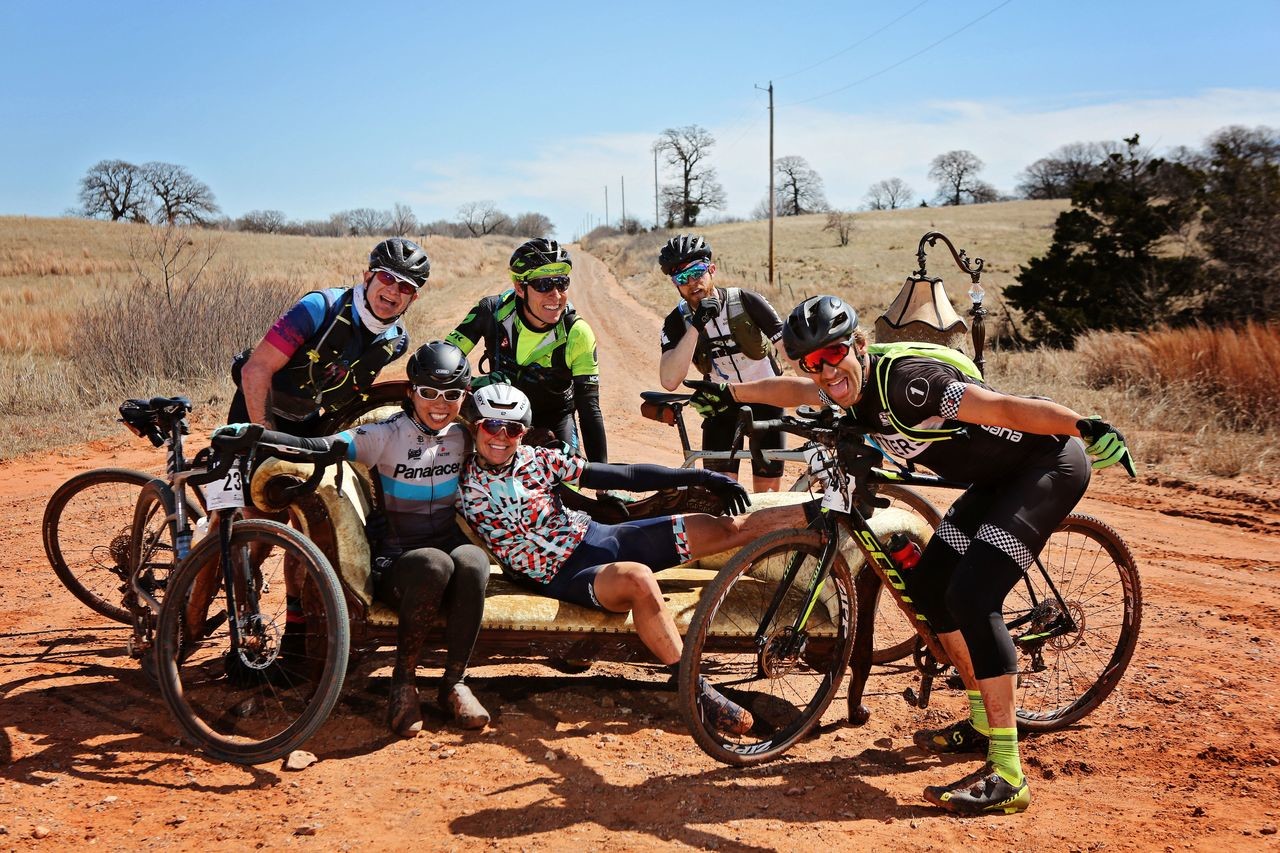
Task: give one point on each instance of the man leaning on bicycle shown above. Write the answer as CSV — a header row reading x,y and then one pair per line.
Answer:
x,y
1027,471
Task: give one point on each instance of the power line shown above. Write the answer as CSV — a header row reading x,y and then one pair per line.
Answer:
x,y
858,43
905,60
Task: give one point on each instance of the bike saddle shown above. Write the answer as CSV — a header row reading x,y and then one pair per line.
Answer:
x,y
663,397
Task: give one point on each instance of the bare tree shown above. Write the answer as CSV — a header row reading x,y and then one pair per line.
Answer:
x,y
532,225
797,187
1057,175
696,188
445,228
889,194
482,217
369,222
171,259
262,221
114,189
180,198
402,220
956,173
981,192
841,222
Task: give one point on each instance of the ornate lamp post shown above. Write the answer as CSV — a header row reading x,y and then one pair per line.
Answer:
x,y
922,311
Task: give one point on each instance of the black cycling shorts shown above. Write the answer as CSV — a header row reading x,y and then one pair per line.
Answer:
x,y
717,434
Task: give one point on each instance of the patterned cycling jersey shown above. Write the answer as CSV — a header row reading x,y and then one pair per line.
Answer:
x,y
518,514
925,393
418,474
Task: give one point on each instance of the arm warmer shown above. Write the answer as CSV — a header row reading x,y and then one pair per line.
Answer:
x,y
586,399
640,478
283,440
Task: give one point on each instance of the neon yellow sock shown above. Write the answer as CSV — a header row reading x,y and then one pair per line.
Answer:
x,y
1003,754
978,712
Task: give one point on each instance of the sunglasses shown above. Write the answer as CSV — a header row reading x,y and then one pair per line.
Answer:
x,y
831,354
495,426
549,282
692,274
451,395
392,280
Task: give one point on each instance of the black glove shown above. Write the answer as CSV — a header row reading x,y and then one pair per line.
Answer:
x,y
710,398
729,491
707,310
376,527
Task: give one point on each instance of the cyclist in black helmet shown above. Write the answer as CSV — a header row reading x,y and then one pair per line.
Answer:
x,y
324,353
327,349
535,341
929,403
728,335
422,561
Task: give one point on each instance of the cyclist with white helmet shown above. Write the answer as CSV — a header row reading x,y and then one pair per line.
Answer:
x,y
422,561
509,499
535,341
930,404
728,335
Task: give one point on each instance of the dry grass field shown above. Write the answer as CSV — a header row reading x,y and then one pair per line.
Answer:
x,y
80,332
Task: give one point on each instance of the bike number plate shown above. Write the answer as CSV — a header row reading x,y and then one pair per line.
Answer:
x,y
835,499
227,493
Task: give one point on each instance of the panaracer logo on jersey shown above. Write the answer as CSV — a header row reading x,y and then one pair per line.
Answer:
x,y
406,472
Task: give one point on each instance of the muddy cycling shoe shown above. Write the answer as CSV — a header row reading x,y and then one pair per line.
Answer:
x,y
956,738
404,710
722,713
461,704
979,793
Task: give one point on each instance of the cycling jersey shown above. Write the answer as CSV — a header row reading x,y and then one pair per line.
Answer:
x,y
557,368
746,323
518,514
925,394
333,358
417,472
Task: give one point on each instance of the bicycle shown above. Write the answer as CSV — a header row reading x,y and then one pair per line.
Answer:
x,y
1074,618
87,520
895,640
226,675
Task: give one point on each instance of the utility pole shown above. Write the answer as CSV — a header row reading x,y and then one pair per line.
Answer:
x,y
623,223
657,223
772,200
606,205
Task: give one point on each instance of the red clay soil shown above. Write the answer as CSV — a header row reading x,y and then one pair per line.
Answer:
x,y
1184,755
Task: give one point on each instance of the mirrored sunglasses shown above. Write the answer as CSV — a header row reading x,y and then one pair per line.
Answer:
x,y
831,354
390,279
690,275
451,395
494,426
549,282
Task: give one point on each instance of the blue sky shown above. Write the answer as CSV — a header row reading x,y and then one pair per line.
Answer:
x,y
316,107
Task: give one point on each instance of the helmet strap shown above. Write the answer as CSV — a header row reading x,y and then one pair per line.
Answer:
x,y
526,317
368,319
415,420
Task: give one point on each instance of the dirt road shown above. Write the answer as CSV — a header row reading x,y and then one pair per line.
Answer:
x,y
1186,753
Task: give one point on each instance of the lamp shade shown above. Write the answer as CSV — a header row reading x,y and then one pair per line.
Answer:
x,y
922,312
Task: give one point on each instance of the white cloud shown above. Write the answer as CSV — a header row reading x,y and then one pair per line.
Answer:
x,y
566,179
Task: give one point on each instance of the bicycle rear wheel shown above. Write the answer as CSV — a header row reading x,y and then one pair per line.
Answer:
x,y
895,638
381,396
86,536
784,679
152,535
251,703
1065,674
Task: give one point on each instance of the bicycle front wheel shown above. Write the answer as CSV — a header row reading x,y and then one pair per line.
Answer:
x,y
1070,662
750,639
86,536
260,698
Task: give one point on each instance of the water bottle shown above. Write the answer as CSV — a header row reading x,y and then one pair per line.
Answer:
x,y
202,528
905,552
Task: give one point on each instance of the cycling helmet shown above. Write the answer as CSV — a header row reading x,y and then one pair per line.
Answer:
x,y
817,322
439,365
502,401
533,255
402,257
682,250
